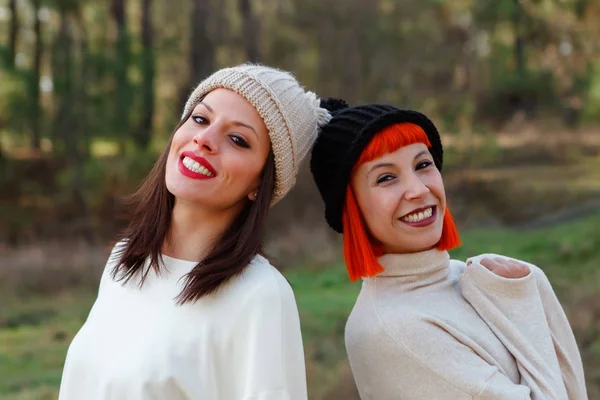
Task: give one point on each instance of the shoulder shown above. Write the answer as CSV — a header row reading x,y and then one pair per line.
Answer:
x,y
525,286
457,267
117,250
537,272
376,322
261,284
113,261
363,321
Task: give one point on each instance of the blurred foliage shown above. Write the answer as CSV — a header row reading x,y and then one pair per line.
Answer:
x,y
113,75
121,69
592,81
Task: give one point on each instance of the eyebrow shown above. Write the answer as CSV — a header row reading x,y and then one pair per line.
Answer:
x,y
236,123
384,164
209,108
377,166
421,153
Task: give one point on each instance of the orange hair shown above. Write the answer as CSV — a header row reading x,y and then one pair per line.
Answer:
x,y
360,251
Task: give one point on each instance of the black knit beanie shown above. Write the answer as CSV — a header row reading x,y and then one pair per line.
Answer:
x,y
343,139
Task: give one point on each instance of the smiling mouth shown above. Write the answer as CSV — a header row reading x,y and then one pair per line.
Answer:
x,y
195,166
419,215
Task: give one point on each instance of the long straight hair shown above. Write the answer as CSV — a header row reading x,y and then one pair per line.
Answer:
x,y
151,208
360,249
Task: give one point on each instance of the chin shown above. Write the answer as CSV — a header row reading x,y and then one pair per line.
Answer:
x,y
415,246
425,247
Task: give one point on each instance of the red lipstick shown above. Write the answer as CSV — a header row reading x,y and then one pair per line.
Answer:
x,y
424,222
200,160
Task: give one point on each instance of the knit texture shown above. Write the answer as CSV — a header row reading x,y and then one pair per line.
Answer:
x,y
291,114
343,139
431,328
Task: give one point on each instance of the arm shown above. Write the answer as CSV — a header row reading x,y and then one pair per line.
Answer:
x,y
271,358
513,309
563,339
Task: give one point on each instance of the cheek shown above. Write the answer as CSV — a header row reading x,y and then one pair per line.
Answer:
x,y
436,185
385,200
378,208
180,138
171,159
244,169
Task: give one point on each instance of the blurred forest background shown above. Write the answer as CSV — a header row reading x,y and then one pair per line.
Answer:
x,y
91,90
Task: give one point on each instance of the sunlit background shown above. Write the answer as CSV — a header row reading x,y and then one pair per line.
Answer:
x,y
90,91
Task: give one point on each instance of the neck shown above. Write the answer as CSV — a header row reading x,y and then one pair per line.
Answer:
x,y
194,230
415,270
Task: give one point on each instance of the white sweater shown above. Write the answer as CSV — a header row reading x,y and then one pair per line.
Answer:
x,y
431,328
243,343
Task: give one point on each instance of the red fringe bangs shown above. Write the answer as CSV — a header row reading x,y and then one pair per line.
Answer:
x,y
390,139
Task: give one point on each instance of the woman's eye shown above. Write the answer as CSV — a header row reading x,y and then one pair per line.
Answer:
x,y
239,141
385,178
199,119
423,164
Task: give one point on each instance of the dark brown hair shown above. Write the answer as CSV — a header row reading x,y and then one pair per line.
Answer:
x,y
151,209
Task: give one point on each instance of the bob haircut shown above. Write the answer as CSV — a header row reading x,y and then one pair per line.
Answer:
x,y
360,249
151,208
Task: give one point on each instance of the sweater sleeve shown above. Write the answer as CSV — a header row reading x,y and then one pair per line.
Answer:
x,y
270,355
513,309
563,339
421,358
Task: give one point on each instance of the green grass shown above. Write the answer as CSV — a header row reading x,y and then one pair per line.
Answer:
x,y
34,337
35,332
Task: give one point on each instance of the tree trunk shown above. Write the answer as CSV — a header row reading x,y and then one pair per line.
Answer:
x,y
201,47
69,123
250,31
35,80
81,94
144,130
13,32
328,84
519,48
350,53
122,60
202,52
62,53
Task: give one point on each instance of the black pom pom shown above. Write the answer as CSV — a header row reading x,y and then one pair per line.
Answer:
x,y
333,105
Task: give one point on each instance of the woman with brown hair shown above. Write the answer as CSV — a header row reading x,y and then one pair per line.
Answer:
x,y
425,326
187,306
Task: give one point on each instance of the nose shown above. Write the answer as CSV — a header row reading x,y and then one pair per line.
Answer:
x,y
206,140
415,188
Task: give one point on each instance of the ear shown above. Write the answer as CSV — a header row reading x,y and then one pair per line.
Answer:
x,y
252,195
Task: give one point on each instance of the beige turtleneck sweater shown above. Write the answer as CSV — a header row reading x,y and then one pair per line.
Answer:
x,y
431,328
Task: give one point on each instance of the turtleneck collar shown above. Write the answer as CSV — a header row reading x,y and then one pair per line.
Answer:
x,y
416,269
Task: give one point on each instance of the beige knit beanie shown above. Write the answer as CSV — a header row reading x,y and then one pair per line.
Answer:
x,y
291,114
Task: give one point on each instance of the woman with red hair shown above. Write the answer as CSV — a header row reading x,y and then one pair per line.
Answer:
x,y
425,326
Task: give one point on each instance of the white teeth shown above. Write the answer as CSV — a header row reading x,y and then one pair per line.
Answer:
x,y
420,216
195,166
